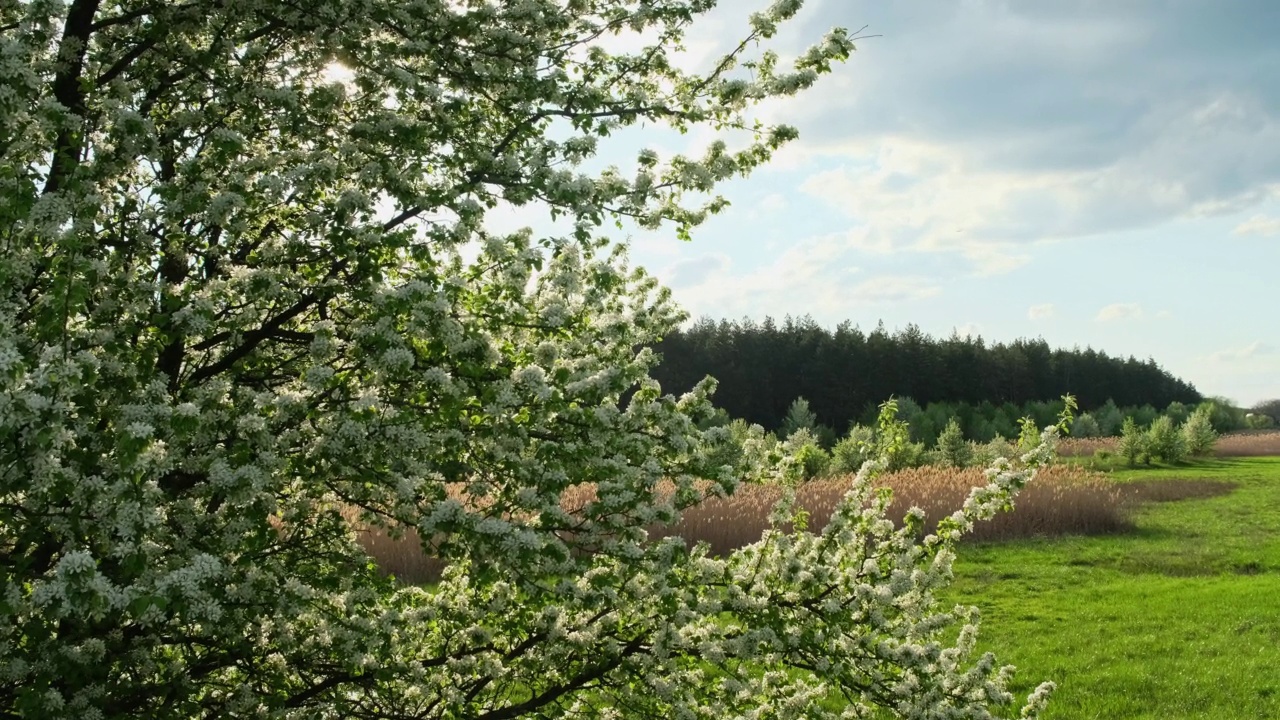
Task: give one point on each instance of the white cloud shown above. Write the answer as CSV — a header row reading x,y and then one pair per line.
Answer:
x,y
1120,311
811,276
919,196
1248,352
1258,225
969,330
773,204
895,289
694,271
1041,312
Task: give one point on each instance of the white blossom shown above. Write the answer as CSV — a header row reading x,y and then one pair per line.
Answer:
x,y
247,312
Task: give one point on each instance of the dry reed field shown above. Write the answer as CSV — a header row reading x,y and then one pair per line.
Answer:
x,y
1254,443
1086,447
1063,499
1243,443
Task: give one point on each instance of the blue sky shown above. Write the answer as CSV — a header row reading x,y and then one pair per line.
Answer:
x,y
1095,173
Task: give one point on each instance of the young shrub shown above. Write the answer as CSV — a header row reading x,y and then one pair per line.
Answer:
x,y
893,440
853,450
986,453
1085,426
1133,443
1198,435
799,417
1178,412
952,449
911,455
1028,434
738,444
1110,419
826,436
810,457
910,412
1164,442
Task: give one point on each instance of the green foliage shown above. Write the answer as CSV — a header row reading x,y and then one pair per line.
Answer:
x,y
1133,443
1178,412
826,436
1257,421
740,446
1110,419
910,412
810,457
1164,442
717,418
762,365
253,305
893,440
854,449
952,449
1269,408
1085,426
1198,435
985,453
1144,415
799,417
1224,416
1028,434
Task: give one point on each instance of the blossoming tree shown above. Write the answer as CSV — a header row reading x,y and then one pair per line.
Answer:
x,y
244,298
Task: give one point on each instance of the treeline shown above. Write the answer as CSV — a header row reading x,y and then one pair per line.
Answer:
x,y
845,373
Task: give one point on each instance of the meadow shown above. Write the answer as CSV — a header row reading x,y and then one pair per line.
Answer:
x,y
1175,618
1143,593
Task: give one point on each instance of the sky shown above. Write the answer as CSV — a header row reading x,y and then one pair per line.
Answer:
x,y
1095,173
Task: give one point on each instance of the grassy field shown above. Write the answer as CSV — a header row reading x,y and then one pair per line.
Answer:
x,y
1172,611
1177,618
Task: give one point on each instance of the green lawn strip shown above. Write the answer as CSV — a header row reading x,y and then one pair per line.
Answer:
x,y
1178,619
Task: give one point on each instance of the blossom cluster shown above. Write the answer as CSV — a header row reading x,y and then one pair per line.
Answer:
x,y
248,310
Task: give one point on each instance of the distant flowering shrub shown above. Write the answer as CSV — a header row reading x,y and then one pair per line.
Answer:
x,y
1198,435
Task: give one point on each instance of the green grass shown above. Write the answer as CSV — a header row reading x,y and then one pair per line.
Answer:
x,y
1179,618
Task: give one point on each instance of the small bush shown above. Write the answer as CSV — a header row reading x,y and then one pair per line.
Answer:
x,y
986,453
1198,434
1133,443
911,455
799,417
952,449
853,450
1085,426
813,460
826,436
1164,442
